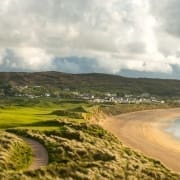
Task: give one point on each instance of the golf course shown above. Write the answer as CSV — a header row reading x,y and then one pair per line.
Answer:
x,y
52,139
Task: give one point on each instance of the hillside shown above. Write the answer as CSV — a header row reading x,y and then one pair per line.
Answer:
x,y
77,149
93,82
85,151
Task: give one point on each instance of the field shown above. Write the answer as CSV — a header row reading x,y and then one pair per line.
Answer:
x,y
77,148
33,112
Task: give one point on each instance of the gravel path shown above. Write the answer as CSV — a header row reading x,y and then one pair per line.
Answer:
x,y
40,154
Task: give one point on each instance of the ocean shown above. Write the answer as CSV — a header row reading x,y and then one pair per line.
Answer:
x,y
174,128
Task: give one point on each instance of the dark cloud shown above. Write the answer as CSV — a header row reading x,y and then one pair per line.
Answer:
x,y
76,65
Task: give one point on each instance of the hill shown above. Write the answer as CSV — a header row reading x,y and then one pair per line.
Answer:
x,y
77,149
86,151
93,82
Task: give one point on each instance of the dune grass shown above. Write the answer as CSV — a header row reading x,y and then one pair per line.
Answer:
x,y
76,148
86,151
15,154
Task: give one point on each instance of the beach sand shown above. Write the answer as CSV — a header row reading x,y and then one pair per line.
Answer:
x,y
144,131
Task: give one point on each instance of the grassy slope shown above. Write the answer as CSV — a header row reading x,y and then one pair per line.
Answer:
x,y
76,148
15,154
96,82
84,151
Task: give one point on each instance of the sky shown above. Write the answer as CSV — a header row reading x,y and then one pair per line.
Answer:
x,y
137,38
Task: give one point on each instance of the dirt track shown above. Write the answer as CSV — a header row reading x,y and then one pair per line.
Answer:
x,y
144,131
40,155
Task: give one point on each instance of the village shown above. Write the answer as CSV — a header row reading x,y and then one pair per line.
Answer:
x,y
127,99
34,92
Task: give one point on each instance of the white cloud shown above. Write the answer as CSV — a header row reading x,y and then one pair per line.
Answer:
x,y
26,59
34,58
139,35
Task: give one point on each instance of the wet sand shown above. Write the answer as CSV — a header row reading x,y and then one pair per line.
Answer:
x,y
144,131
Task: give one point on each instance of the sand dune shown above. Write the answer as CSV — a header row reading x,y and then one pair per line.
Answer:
x,y
144,132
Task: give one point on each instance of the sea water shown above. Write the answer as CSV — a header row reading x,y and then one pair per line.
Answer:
x,y
174,128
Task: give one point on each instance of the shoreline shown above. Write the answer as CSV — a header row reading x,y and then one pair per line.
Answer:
x,y
145,131
169,130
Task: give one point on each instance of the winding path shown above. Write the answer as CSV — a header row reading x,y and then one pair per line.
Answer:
x,y
144,131
40,154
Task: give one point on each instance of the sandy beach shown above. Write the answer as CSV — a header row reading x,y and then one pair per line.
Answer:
x,y
144,131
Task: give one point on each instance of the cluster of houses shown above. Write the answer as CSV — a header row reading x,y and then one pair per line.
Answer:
x,y
127,99
32,96
122,100
23,91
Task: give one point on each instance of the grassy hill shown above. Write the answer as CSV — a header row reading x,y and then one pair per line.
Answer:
x,y
77,148
94,82
86,151
15,154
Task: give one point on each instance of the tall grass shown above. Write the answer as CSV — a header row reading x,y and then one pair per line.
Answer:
x,y
15,154
85,151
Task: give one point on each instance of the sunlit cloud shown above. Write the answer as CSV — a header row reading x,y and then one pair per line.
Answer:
x,y
101,36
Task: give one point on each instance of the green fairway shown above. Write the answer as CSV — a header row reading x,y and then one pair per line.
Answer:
x,y
30,115
19,116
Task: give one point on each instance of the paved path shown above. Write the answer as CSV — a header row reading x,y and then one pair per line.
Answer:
x,y
40,155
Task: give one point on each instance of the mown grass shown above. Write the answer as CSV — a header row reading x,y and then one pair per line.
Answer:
x,y
27,115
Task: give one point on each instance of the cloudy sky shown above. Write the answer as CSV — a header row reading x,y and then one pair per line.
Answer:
x,y
127,37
